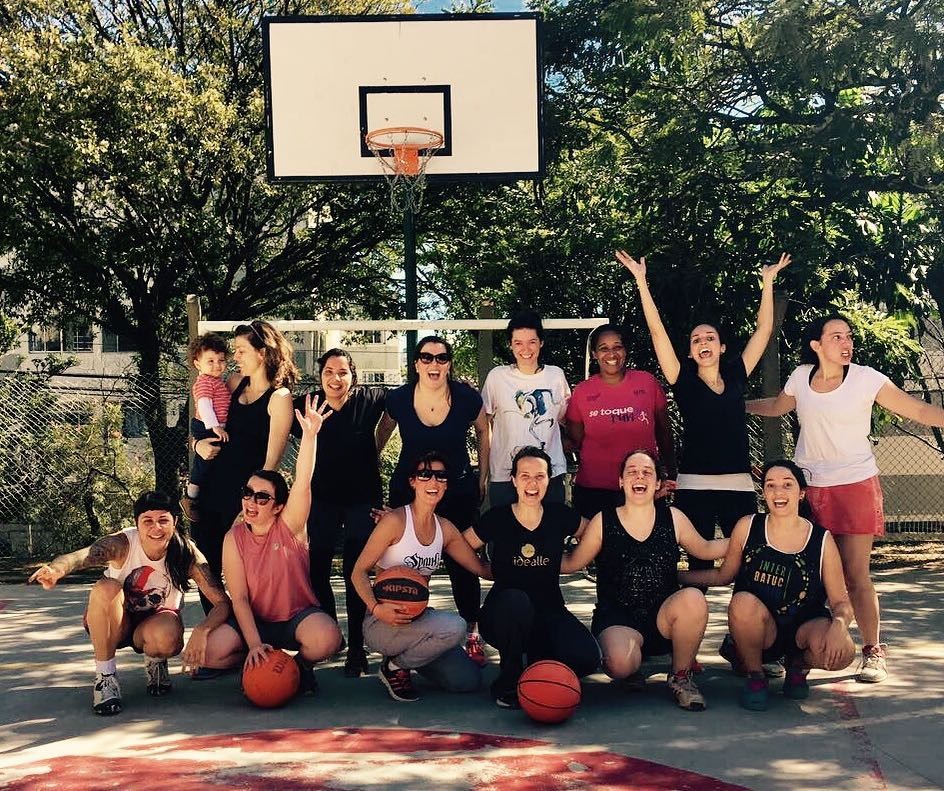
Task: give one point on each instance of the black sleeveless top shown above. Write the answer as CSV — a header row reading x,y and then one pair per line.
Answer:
x,y
637,575
789,584
248,429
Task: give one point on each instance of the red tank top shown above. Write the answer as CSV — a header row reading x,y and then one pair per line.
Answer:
x,y
277,574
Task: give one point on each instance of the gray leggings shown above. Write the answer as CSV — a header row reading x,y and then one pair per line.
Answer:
x,y
431,645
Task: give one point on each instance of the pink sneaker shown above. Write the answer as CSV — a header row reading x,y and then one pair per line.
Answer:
x,y
475,648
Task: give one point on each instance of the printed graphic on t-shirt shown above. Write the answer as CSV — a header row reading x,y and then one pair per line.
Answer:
x,y
539,406
141,595
424,564
528,556
623,414
781,586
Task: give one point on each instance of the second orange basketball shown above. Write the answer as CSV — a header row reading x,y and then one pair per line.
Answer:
x,y
549,691
404,587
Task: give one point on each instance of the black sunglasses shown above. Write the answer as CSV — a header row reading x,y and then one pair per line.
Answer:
x,y
426,357
259,498
426,474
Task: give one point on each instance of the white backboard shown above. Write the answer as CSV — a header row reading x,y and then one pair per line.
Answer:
x,y
476,78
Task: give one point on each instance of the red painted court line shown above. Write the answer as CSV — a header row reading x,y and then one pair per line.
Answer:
x,y
3,605
864,752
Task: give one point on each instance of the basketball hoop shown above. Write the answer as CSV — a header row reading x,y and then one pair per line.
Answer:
x,y
403,153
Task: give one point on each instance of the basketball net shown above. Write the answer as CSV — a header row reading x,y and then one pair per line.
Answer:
x,y
404,153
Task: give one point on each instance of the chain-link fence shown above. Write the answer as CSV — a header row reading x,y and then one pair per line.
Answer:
x,y
76,450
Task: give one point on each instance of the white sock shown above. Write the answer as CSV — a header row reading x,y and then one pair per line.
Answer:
x,y
193,491
393,665
106,668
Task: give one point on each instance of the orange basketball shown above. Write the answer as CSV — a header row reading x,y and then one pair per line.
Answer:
x,y
548,691
272,683
404,587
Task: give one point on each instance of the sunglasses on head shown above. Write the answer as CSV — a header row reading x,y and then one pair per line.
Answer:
x,y
259,498
251,327
426,357
426,474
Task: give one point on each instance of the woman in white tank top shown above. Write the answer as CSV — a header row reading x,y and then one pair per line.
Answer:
x,y
414,536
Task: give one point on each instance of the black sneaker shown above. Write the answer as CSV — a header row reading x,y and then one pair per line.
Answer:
x,y
307,683
106,694
356,664
508,700
398,682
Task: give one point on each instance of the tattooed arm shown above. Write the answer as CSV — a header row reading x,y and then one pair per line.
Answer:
x,y
108,550
210,586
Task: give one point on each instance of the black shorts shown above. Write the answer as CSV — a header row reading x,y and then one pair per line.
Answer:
x,y
278,634
589,502
784,644
644,622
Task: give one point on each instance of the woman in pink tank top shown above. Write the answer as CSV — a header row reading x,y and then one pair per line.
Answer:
x,y
265,562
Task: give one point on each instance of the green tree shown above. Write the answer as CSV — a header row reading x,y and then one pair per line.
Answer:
x,y
132,156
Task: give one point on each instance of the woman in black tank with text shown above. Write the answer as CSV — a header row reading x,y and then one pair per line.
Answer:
x,y
714,482
260,416
785,570
641,608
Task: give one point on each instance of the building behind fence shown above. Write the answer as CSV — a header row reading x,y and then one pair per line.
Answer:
x,y
74,452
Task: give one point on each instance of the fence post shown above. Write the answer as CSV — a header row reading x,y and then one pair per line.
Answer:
x,y
194,314
770,380
485,355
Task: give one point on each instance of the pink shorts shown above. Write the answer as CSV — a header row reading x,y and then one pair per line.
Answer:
x,y
850,508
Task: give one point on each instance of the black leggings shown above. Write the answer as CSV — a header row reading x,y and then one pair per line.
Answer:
x,y
707,507
514,626
325,522
208,535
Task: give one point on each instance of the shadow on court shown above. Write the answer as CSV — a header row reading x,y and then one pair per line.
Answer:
x,y
845,736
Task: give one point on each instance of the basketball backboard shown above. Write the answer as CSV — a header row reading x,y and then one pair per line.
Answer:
x,y
474,78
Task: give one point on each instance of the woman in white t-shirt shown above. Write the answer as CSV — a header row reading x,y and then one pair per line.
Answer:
x,y
525,403
833,399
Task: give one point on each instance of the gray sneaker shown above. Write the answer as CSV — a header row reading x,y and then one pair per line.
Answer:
x,y
872,669
158,676
106,694
687,695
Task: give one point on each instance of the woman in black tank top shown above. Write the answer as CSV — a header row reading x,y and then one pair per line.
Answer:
x,y
785,570
641,610
260,416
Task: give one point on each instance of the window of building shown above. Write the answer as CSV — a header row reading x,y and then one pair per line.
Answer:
x,y
112,342
367,338
374,377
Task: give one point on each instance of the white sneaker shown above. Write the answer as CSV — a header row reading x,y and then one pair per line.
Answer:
x,y
872,669
158,676
106,694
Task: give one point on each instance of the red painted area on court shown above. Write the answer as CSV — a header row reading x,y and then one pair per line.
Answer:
x,y
874,778
3,605
339,759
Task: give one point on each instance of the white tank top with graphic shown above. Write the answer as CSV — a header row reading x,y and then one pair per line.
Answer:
x,y
408,551
147,585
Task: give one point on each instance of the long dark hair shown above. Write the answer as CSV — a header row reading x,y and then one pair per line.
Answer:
x,y
277,352
414,376
180,551
798,473
814,332
336,352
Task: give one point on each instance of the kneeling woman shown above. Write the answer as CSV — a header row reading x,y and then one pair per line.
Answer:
x,y
524,612
641,610
265,563
785,569
414,536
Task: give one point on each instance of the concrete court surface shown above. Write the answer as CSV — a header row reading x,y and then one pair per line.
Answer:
x,y
845,736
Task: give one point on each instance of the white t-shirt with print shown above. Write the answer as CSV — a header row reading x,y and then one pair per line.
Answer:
x,y
526,409
834,440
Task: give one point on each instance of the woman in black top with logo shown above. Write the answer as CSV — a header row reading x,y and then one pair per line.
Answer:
x,y
345,489
524,612
260,416
714,484
785,570
641,610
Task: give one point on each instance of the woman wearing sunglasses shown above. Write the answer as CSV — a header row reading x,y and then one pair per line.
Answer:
x,y
433,413
265,562
259,419
414,536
